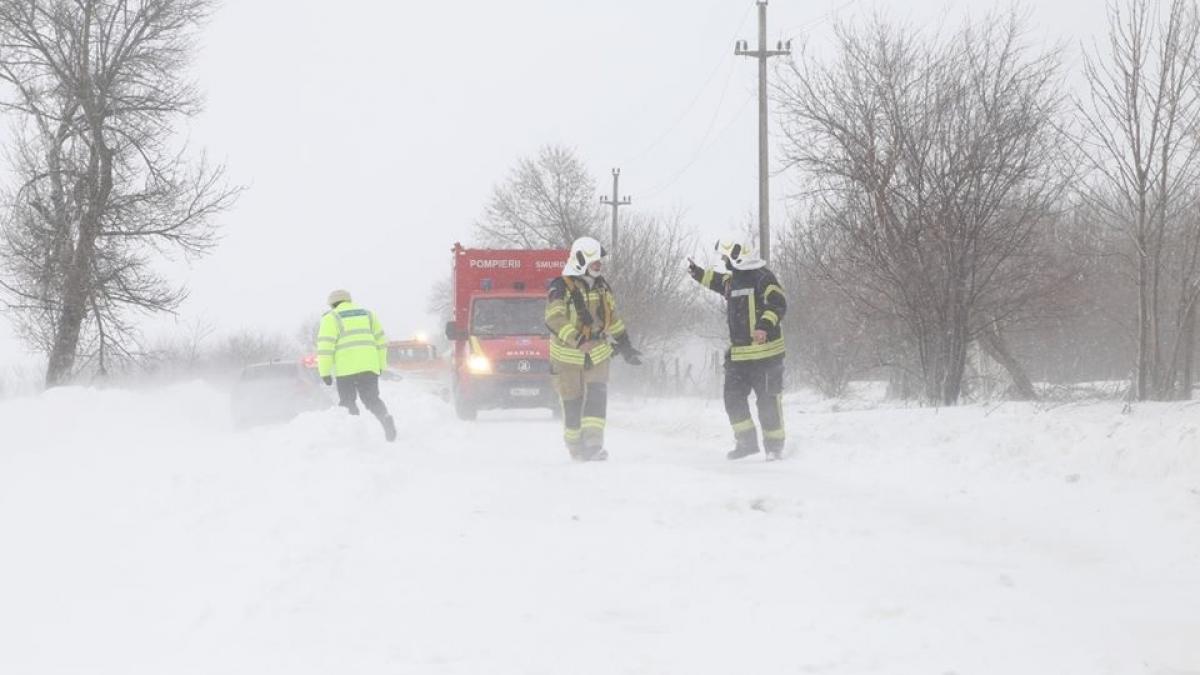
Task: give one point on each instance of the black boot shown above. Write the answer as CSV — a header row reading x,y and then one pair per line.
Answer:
x,y
389,428
595,454
774,448
742,450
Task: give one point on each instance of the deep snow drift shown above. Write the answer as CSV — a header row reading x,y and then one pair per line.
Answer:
x,y
141,535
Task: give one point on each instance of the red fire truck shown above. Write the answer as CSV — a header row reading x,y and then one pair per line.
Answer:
x,y
501,346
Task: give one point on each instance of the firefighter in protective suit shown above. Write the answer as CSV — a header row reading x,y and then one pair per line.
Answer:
x,y
755,305
351,346
581,314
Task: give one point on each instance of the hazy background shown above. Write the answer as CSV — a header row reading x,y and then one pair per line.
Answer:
x,y
371,133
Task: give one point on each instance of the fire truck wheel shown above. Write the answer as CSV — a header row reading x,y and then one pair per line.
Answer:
x,y
465,410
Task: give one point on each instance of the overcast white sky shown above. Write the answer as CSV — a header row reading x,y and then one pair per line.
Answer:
x,y
370,133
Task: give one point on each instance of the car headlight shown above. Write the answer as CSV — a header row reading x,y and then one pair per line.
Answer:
x,y
479,364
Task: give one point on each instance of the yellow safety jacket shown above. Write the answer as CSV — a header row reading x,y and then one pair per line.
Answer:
x,y
577,312
350,341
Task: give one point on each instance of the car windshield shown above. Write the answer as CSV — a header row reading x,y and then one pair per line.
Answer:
x,y
498,317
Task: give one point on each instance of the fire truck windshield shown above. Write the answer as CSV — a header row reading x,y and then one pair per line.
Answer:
x,y
501,317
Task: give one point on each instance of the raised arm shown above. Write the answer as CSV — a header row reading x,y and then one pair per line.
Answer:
x,y
709,278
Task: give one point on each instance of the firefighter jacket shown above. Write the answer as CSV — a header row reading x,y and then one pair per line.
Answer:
x,y
350,341
754,301
580,309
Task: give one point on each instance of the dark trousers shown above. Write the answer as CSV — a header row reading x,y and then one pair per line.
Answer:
x,y
363,386
765,379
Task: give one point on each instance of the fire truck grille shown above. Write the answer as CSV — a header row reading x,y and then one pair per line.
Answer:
x,y
524,366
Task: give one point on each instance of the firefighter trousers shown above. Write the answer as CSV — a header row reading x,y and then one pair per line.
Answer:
x,y
584,395
765,379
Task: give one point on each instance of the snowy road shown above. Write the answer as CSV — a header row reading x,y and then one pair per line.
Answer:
x,y
141,536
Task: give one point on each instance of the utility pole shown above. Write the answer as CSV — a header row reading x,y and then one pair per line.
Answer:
x,y
616,202
742,48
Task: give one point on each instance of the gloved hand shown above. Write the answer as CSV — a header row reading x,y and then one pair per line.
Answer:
x,y
632,356
624,346
328,380
694,269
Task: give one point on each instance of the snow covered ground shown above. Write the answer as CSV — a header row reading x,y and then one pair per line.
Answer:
x,y
139,534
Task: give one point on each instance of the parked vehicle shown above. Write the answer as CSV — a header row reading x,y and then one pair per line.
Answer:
x,y
277,391
501,346
416,358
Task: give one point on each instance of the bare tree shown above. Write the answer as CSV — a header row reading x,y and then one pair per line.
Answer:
x,y
547,202
828,340
440,301
550,200
1141,118
932,169
195,351
95,88
1182,375
654,295
305,335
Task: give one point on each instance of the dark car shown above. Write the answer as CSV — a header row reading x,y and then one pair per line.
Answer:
x,y
273,392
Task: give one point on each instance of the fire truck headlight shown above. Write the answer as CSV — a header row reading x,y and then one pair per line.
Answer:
x,y
479,365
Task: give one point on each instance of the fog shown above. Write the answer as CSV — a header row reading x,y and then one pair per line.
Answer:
x,y
370,135
214,508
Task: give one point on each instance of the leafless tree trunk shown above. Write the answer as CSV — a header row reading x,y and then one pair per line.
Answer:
x,y
1141,119
994,344
95,87
932,166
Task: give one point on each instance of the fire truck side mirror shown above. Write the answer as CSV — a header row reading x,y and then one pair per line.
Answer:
x,y
452,332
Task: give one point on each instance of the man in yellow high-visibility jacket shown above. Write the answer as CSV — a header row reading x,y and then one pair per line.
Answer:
x,y
351,346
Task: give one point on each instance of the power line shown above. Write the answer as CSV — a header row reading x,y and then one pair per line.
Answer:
x,y
805,26
709,140
701,150
695,99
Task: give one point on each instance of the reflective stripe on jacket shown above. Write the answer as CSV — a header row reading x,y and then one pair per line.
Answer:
x,y
350,341
571,327
754,301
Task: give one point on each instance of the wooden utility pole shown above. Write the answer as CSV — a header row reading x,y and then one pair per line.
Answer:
x,y
742,48
616,202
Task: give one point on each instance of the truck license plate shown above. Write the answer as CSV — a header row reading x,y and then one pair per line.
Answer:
x,y
525,391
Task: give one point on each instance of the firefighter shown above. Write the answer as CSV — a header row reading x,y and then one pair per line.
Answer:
x,y
581,314
351,346
755,305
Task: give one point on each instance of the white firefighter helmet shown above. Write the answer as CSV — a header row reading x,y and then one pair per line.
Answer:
x,y
584,252
737,254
